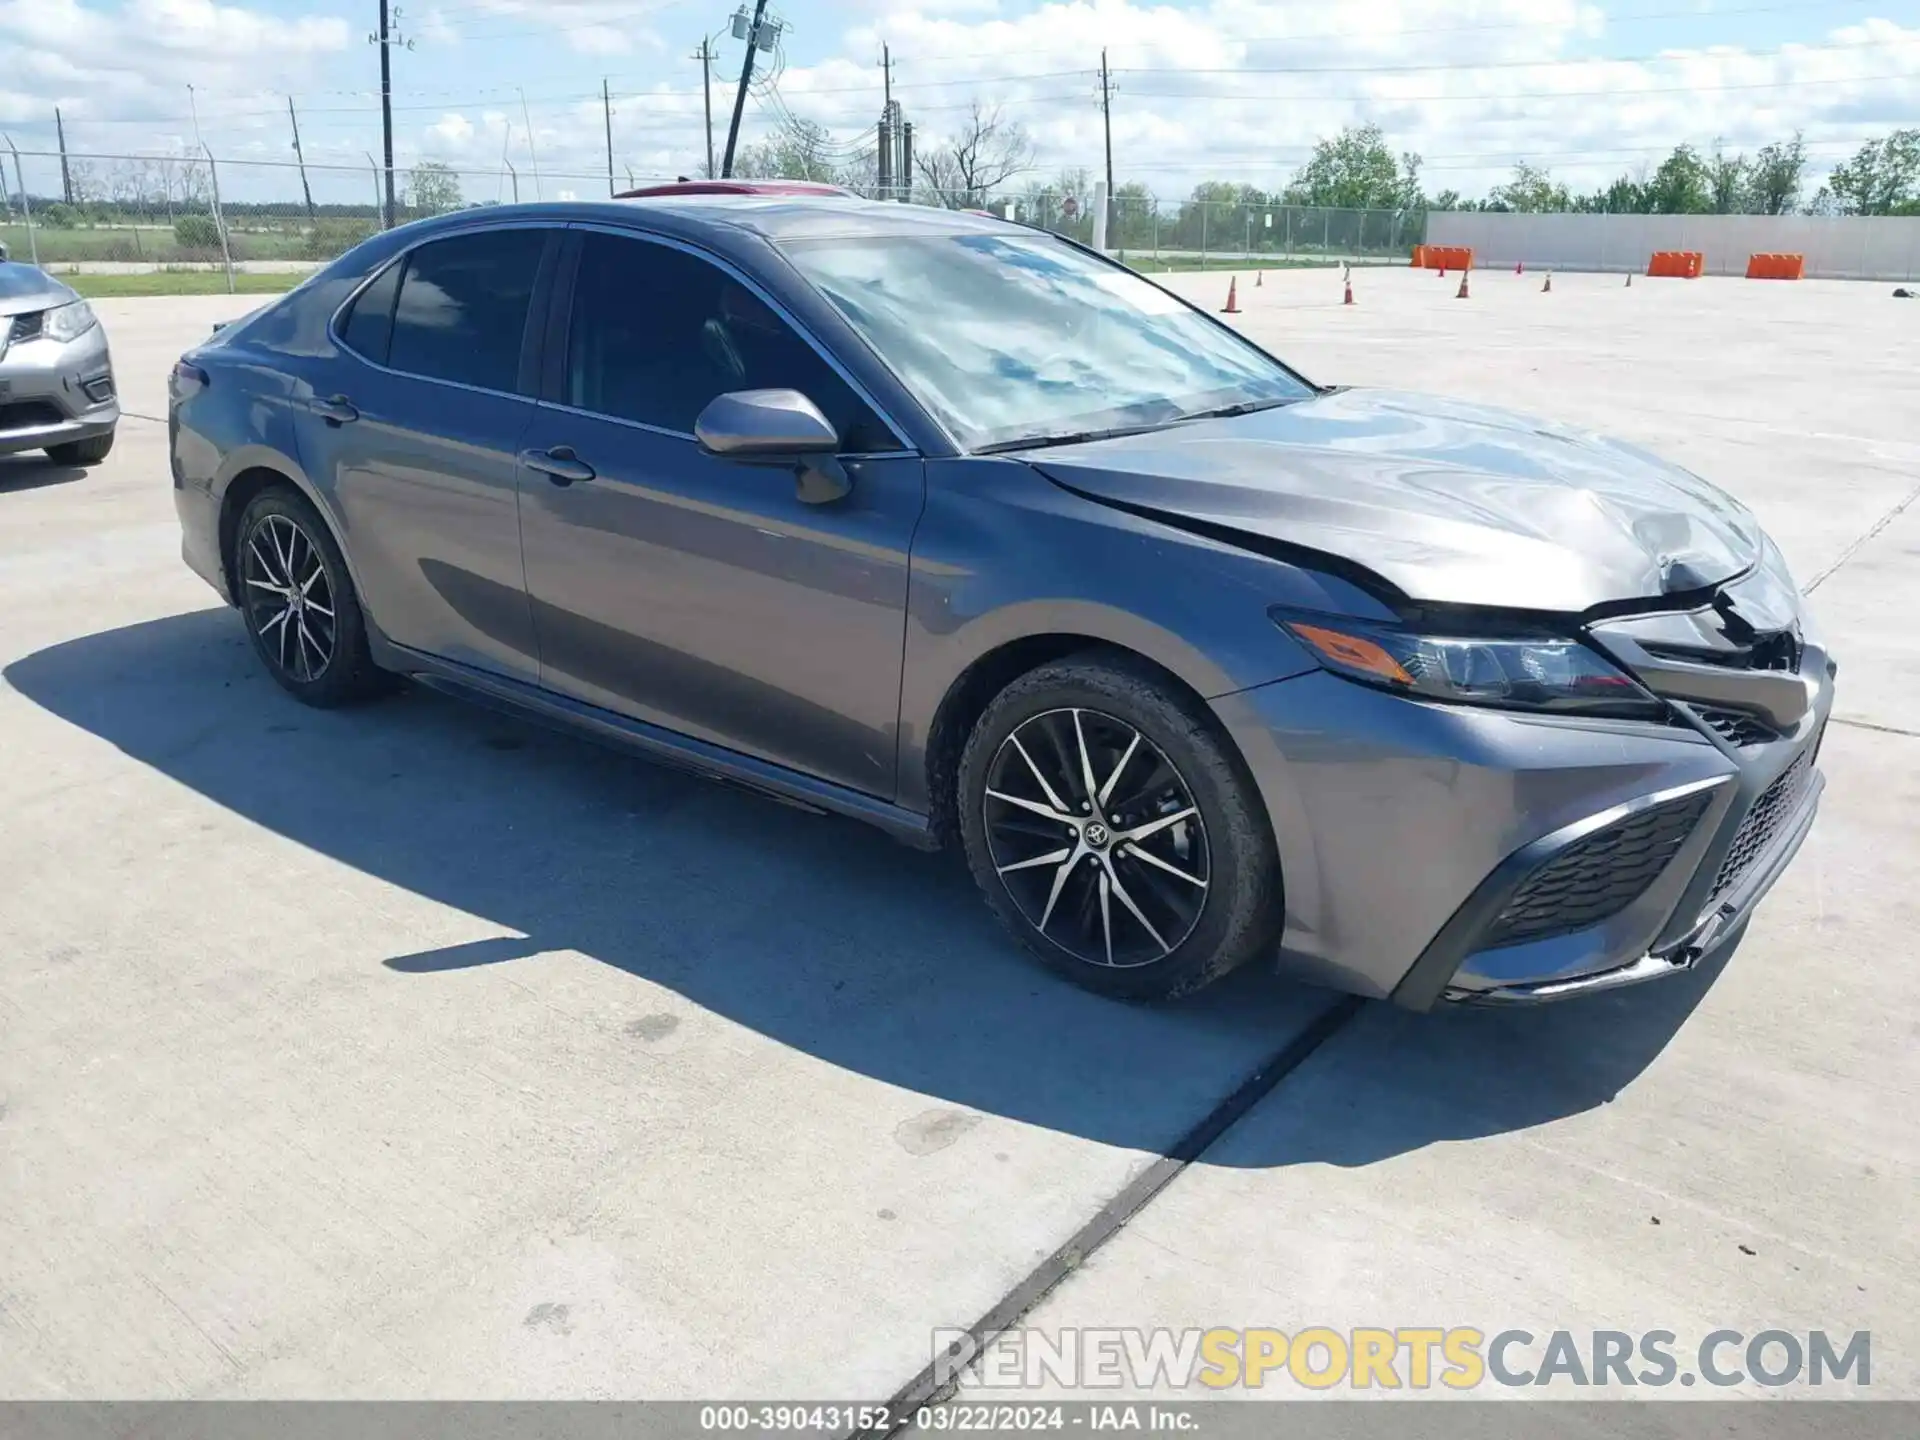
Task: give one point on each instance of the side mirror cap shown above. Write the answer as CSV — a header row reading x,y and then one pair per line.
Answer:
x,y
764,425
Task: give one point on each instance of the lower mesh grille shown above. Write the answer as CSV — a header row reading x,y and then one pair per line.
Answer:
x,y
1757,832
1597,877
28,415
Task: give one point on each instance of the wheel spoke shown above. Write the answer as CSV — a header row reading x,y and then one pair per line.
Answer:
x,y
1154,827
1106,790
306,639
318,609
1086,760
1053,895
1045,789
1055,858
280,618
253,547
1034,805
1134,910
286,558
1106,912
279,590
1136,852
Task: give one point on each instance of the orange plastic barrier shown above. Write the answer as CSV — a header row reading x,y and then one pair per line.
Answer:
x,y
1770,265
1677,264
1442,257
1419,257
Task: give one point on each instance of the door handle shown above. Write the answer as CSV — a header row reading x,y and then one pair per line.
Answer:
x,y
560,464
337,411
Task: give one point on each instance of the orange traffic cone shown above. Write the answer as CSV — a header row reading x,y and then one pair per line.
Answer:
x,y
1349,299
1519,267
1461,294
1547,289
1443,270
1232,307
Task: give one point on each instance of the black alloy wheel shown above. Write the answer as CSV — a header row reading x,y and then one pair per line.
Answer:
x,y
1112,827
1097,838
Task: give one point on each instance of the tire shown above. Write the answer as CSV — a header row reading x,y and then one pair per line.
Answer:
x,y
82,452
320,658
1209,895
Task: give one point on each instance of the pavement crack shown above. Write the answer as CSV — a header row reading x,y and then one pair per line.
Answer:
x,y
1873,530
1111,1218
1878,729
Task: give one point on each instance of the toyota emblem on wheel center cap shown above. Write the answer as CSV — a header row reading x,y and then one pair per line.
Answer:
x,y
1096,835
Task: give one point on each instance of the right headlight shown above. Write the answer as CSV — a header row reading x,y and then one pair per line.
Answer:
x,y
1541,674
68,322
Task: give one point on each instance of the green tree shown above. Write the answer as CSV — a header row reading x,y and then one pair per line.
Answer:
x,y
1356,170
1728,182
432,189
1683,185
798,150
1883,178
1773,179
1532,190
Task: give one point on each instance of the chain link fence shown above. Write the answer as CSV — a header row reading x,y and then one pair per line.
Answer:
x,y
191,210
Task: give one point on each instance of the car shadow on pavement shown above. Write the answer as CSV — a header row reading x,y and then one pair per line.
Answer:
x,y
35,472
817,932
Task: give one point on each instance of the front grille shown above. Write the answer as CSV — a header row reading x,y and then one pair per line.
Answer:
x,y
1736,727
1598,877
22,327
1758,831
28,415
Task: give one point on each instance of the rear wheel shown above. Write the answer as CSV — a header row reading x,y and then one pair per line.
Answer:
x,y
82,452
301,611
1110,828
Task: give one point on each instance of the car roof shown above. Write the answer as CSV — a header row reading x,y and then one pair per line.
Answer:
x,y
734,187
773,217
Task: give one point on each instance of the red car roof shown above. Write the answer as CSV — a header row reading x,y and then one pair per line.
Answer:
x,y
735,187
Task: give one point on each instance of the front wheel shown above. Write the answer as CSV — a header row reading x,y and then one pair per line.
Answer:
x,y
301,611
82,452
1112,830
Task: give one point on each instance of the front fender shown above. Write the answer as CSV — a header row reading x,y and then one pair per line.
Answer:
x,y
1004,555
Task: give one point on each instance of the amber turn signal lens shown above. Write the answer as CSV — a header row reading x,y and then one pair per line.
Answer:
x,y
1353,651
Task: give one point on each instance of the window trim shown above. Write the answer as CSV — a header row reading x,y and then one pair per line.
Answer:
x,y
559,336
532,337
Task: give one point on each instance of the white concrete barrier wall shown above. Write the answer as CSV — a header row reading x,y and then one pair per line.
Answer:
x,y
1837,247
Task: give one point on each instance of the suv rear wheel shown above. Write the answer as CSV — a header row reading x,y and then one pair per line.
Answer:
x,y
1111,829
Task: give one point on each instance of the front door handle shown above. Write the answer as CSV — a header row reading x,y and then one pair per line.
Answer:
x,y
336,411
560,464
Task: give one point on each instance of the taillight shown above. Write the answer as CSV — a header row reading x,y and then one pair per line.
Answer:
x,y
186,382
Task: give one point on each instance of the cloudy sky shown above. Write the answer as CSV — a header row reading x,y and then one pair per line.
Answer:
x,y
1230,89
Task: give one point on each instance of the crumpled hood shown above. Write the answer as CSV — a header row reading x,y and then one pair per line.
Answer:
x,y
1448,502
25,289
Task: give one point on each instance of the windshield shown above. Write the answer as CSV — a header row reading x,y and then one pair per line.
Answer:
x,y
1016,337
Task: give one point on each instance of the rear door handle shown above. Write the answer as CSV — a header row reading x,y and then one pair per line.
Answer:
x,y
337,411
560,464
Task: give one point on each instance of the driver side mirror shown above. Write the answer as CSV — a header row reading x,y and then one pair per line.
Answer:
x,y
776,426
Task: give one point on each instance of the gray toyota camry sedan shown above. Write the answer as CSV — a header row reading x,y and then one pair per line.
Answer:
x,y
963,530
56,375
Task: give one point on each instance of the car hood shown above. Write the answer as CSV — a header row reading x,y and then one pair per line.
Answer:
x,y
27,288
1447,502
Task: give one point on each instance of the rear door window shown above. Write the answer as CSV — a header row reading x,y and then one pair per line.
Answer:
x,y
369,323
462,309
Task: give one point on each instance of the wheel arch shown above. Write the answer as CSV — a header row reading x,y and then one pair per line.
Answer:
x,y
250,473
975,687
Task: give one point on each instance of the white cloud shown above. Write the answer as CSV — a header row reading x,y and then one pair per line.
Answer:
x,y
1235,89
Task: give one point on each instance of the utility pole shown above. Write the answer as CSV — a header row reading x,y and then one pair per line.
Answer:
x,y
532,153
66,175
1106,123
606,105
386,39
705,56
300,157
886,72
746,79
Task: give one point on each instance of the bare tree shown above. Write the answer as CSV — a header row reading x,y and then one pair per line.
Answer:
x,y
984,153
